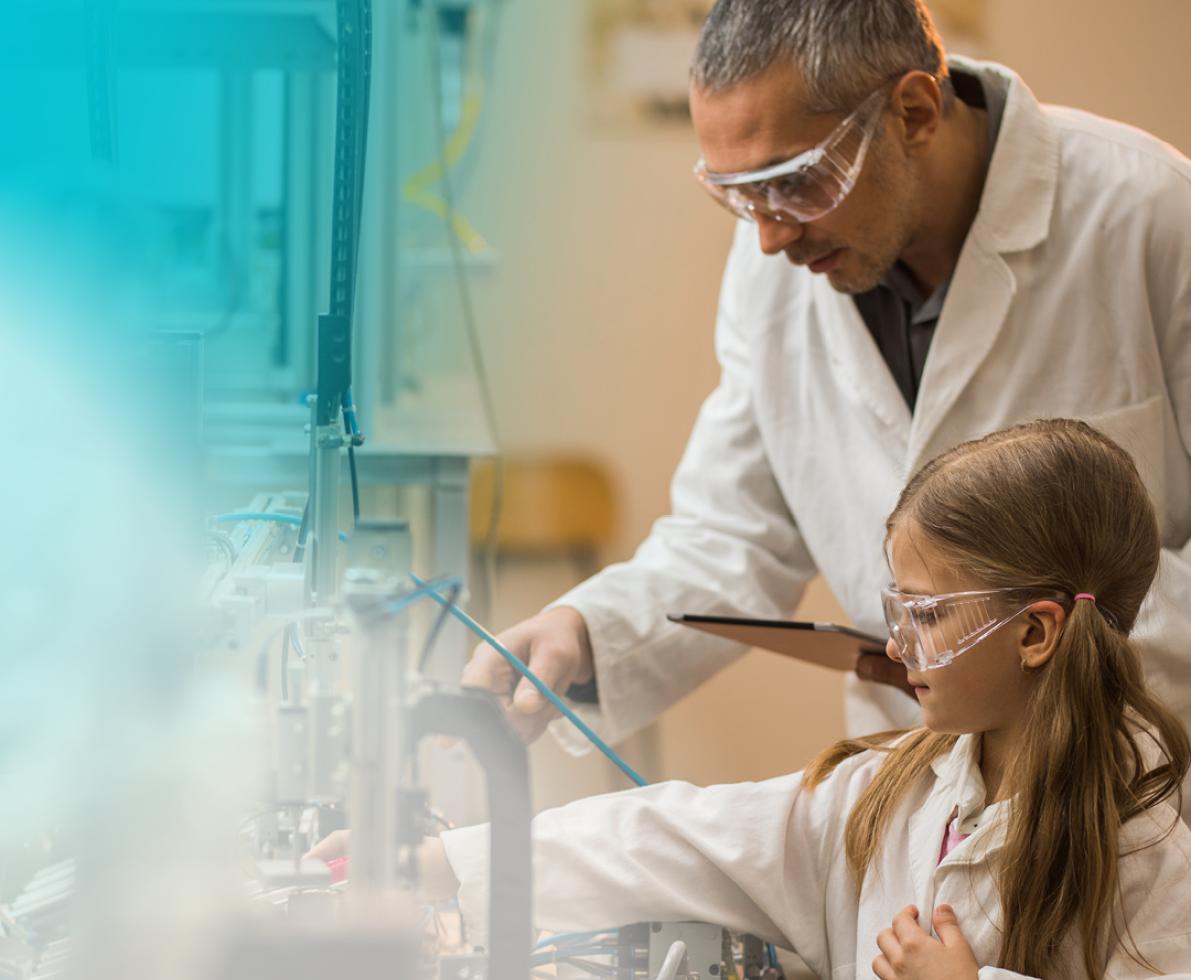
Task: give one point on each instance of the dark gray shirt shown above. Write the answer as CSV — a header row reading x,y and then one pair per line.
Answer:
x,y
901,320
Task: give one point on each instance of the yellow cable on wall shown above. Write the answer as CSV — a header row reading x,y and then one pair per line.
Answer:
x,y
417,188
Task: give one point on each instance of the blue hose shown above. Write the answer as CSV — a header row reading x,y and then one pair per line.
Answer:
x,y
543,689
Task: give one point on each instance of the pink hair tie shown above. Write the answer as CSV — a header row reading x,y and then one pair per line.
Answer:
x,y
1086,595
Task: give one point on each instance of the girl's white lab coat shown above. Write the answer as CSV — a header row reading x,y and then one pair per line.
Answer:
x,y
1071,297
768,858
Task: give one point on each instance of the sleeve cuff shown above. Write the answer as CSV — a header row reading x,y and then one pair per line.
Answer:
x,y
467,851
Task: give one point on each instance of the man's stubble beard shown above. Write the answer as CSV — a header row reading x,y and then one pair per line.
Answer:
x,y
875,257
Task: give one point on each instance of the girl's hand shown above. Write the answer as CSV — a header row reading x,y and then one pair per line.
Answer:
x,y
436,879
334,845
908,952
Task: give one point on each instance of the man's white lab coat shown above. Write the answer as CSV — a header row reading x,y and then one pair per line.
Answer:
x,y
768,858
1071,297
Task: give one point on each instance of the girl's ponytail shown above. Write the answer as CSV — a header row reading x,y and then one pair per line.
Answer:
x,y
1083,773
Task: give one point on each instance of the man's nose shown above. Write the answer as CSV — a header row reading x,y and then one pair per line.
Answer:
x,y
892,651
775,235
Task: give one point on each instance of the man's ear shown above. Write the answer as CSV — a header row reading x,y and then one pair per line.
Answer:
x,y
1044,625
917,104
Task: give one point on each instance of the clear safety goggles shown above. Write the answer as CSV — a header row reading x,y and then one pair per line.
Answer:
x,y
807,186
930,631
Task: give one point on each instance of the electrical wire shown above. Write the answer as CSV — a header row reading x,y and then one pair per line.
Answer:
x,y
543,689
296,641
349,415
568,937
432,636
554,956
269,811
439,818
258,515
355,480
303,530
289,640
354,438
225,545
424,590
488,549
226,549
450,150
262,656
593,968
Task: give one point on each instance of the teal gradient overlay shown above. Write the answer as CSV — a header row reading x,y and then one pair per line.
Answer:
x,y
165,194
117,741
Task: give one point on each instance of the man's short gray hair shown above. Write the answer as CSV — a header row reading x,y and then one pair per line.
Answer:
x,y
844,48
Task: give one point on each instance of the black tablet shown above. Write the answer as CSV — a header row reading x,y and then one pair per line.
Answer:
x,y
825,644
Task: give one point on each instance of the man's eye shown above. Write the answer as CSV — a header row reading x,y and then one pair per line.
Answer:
x,y
759,190
791,185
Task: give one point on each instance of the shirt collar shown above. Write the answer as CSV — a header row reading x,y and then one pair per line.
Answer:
x,y
923,309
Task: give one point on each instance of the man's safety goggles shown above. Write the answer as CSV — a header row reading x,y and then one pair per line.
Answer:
x,y
807,186
932,630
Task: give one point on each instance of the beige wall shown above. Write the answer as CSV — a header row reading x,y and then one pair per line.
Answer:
x,y
1127,61
598,324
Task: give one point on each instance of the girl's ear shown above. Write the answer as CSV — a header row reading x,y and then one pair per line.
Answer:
x,y
1044,625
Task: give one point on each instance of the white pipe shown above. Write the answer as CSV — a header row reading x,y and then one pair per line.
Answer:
x,y
674,957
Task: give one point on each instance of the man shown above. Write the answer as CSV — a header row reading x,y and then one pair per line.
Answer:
x,y
940,256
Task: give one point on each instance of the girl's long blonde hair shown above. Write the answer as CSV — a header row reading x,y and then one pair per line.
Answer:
x,y
1051,504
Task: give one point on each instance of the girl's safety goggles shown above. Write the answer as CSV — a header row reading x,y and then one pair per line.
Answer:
x,y
804,187
930,631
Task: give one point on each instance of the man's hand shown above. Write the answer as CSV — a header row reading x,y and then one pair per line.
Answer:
x,y
875,666
909,952
554,644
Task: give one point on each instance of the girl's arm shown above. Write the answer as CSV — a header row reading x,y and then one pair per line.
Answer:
x,y
764,858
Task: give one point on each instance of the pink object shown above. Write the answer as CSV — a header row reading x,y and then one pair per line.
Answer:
x,y
952,839
1086,595
338,868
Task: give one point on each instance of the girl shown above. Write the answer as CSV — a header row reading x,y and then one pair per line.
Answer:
x,y
1027,822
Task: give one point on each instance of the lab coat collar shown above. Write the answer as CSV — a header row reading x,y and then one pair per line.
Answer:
x,y
959,777
960,789
1019,191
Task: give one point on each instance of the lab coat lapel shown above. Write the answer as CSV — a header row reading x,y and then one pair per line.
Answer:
x,y
856,360
928,824
1014,216
981,292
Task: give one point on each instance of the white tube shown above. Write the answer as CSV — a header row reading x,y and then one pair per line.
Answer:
x,y
674,957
